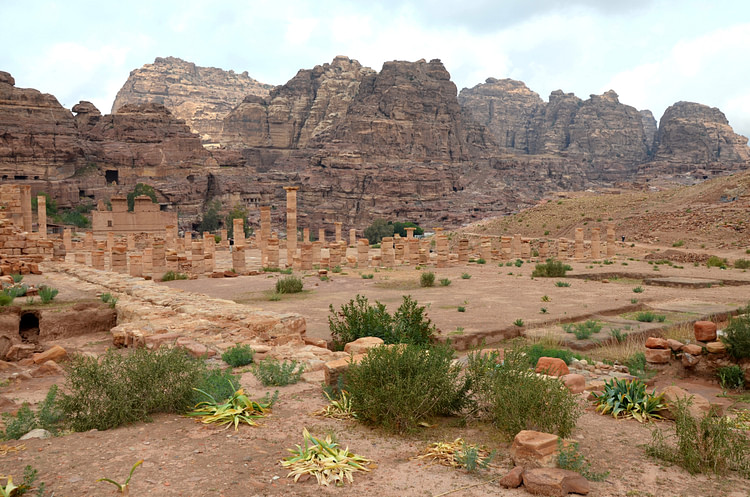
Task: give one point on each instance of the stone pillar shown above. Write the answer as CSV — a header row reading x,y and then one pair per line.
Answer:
x,y
543,250
97,259
413,250
67,240
131,241
272,249
170,237
562,249
239,263
441,245
398,245
578,254
291,223
596,247
424,252
26,207
306,258
208,254
506,249
363,252
463,251
265,233
337,226
516,246
118,259
148,261
136,265
306,234
334,257
316,248
172,261
387,254
352,237
525,248
80,258
197,260
485,249
409,233
238,231
322,236
41,215
224,243
610,240
158,259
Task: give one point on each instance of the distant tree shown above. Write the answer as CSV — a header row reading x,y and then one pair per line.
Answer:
x,y
400,228
377,230
239,211
140,189
211,218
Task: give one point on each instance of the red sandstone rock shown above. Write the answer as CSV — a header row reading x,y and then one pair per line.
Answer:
x,y
49,368
699,406
658,356
705,331
362,345
513,479
716,347
692,349
554,482
675,345
20,351
55,353
656,343
533,449
333,369
576,383
552,366
689,360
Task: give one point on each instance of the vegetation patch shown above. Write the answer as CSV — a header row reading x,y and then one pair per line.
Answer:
x,y
628,399
551,269
239,355
271,372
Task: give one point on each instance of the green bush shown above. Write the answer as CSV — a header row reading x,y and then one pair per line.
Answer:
x,y
534,352
638,289
584,330
289,271
47,294
397,387
271,372
636,364
550,269
515,398
737,336
219,384
628,399
289,284
445,282
17,278
518,322
461,308
562,284
648,317
742,264
120,389
358,319
731,377
568,457
427,279
239,355
707,445
715,261
518,263
5,299
172,275
368,276
480,261
19,425
465,276
48,416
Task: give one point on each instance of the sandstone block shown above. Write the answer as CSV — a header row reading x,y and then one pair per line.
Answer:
x,y
699,406
705,331
56,353
156,341
716,347
36,433
534,449
20,351
656,343
333,369
513,479
576,383
692,349
49,368
554,482
552,366
675,345
658,356
362,345
689,360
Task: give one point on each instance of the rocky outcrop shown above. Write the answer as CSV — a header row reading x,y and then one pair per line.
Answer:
x,y
202,96
650,130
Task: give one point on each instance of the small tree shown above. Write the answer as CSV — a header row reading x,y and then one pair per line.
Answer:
x,y
400,228
377,230
210,220
140,189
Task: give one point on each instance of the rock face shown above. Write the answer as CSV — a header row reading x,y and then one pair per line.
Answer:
x,y
202,96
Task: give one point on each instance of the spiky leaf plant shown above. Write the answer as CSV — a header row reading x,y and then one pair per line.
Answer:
x,y
629,399
239,408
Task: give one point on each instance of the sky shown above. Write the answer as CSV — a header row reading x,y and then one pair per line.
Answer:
x,y
653,53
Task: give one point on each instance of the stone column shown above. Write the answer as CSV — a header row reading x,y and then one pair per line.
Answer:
x,y
238,231
118,259
306,234
272,249
485,249
334,257
424,252
352,237
291,223
363,252
316,248
80,258
386,252
306,259
578,254
337,227
525,248
516,246
410,233
148,261
322,236
26,207
41,215
239,263
158,259
441,244
170,237
398,249
543,249
506,249
610,240
67,240
136,265
209,249
265,233
562,249
97,259
197,260
131,241
224,243
463,251
596,247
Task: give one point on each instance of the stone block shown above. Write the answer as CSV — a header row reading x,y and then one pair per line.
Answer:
x,y
576,383
362,345
554,482
55,353
716,347
692,349
552,366
658,356
699,406
675,345
689,360
20,351
656,343
705,331
334,369
49,368
513,479
534,449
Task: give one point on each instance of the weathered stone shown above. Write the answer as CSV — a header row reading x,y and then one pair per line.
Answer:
x,y
48,368
362,345
716,347
552,366
576,383
656,343
658,356
705,331
513,479
699,406
554,482
334,369
675,345
54,353
689,360
533,449
19,351
36,433
692,349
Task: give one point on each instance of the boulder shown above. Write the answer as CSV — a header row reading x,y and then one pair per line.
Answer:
x,y
55,353
699,406
656,343
333,369
689,360
552,366
716,347
362,345
692,349
705,331
513,479
658,356
554,482
48,368
6,403
675,345
20,351
36,433
534,449
576,383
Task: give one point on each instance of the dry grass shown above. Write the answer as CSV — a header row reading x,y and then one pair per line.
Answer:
x,y
619,352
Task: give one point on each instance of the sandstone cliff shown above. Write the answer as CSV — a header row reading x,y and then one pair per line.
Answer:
x,y
202,96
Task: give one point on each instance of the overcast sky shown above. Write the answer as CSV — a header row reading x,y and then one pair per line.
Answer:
x,y
651,52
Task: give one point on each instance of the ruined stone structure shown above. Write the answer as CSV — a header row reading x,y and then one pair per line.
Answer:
x,y
145,218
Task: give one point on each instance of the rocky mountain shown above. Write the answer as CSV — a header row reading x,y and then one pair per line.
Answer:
x,y
202,96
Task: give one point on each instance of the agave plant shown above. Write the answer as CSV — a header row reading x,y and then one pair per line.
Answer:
x,y
123,488
629,399
340,408
9,490
325,460
238,408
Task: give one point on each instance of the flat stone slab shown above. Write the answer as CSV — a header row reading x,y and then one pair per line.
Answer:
x,y
678,282
694,307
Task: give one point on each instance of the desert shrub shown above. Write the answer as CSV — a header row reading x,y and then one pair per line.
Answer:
x,y
731,377
707,445
618,335
518,322
239,355
23,422
445,282
289,271
465,276
481,261
48,416
47,294
220,384
715,261
5,299
584,330
628,399
562,284
173,275
461,308
568,457
271,372
427,279
410,324
368,276
397,387
518,263
515,398
551,269
534,352
289,284
18,291
636,364
17,278
737,336
742,264
638,289
120,389
649,317
107,298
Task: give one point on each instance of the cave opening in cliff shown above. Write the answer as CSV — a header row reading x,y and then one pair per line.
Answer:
x,y
20,176
111,176
28,327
